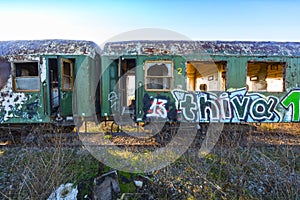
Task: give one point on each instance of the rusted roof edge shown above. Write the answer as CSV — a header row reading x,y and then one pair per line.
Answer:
x,y
42,47
247,48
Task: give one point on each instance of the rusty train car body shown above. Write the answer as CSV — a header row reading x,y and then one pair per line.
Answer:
x,y
55,81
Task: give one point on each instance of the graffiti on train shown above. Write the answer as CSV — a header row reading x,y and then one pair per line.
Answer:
x,y
236,106
159,107
292,102
113,99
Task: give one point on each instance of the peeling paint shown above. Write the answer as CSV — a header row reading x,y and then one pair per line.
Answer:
x,y
9,101
43,69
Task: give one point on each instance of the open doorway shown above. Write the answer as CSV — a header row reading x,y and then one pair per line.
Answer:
x,y
127,85
54,90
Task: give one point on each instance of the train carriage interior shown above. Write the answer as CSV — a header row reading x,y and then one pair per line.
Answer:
x,y
53,79
206,76
127,85
265,76
26,76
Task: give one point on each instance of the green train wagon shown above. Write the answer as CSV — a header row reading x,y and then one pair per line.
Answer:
x,y
37,81
202,81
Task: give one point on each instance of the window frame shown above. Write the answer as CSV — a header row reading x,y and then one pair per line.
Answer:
x,y
63,75
220,76
15,77
269,67
170,77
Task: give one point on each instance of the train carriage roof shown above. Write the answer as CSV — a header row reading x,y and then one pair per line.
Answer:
x,y
243,48
29,47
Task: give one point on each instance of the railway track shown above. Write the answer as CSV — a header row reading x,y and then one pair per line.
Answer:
x,y
49,137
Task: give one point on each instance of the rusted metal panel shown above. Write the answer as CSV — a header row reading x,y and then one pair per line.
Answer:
x,y
202,47
5,70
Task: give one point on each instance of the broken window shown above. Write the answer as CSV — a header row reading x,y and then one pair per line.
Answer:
x,y
158,75
27,76
206,76
265,76
67,74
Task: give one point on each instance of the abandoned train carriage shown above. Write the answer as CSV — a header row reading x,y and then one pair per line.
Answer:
x,y
202,81
198,81
37,80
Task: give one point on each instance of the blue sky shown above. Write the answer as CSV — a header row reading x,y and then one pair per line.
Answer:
x,y
98,21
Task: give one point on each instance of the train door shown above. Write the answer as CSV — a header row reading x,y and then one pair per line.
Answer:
x,y
127,85
61,83
67,86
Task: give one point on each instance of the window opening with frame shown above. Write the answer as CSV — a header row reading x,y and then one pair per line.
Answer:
x,y
67,74
26,76
265,76
158,75
206,76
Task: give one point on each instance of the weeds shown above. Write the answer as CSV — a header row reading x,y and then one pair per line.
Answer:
x,y
230,171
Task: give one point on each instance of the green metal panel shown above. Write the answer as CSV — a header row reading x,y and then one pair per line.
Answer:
x,y
95,72
109,78
82,101
87,76
104,80
91,84
236,72
294,76
179,72
140,79
288,71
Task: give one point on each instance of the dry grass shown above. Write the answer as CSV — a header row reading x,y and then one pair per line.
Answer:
x,y
284,128
266,167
